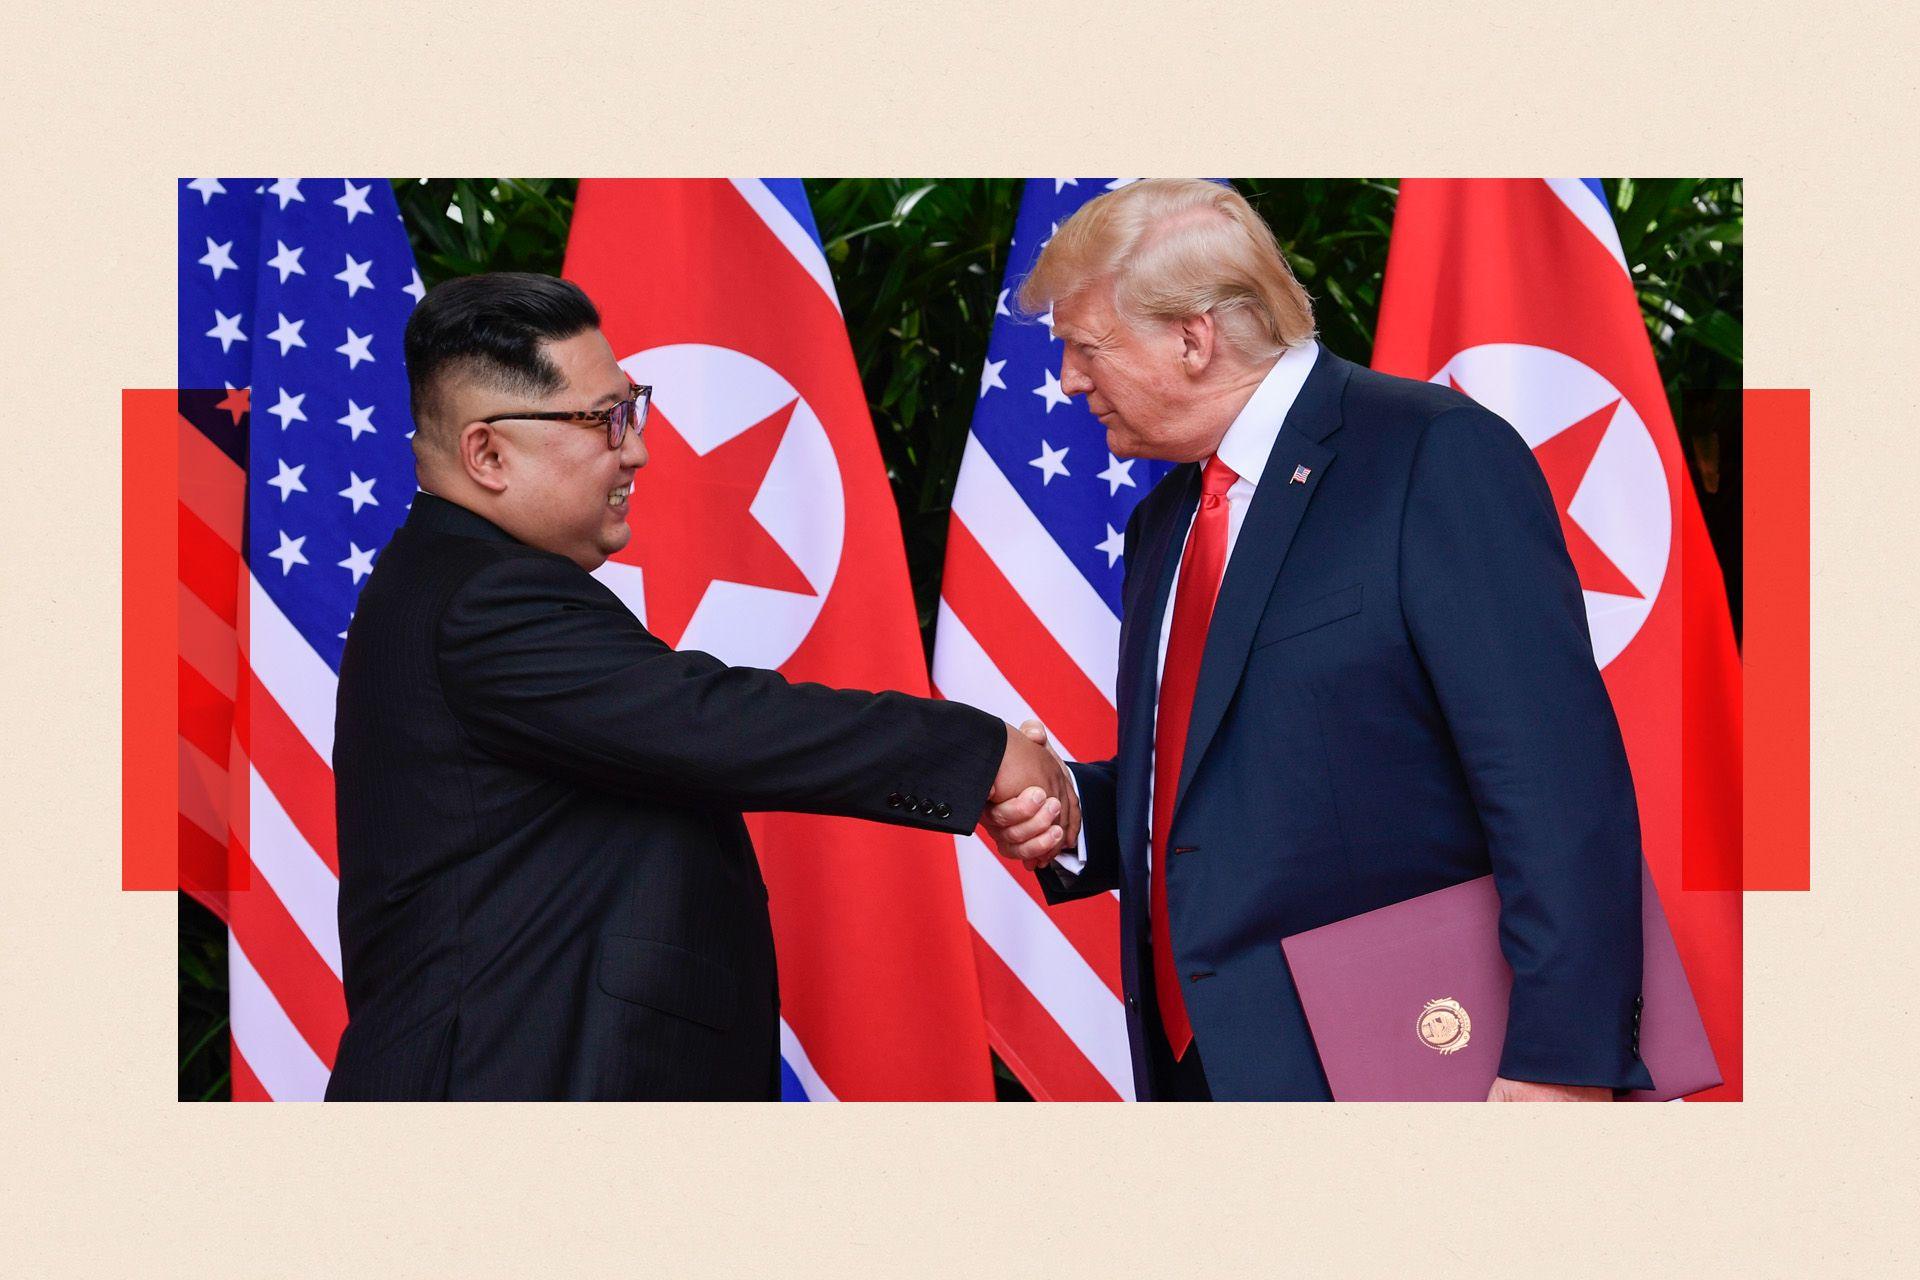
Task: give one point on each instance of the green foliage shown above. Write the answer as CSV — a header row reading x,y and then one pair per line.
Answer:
x,y
463,226
917,263
203,1005
1682,239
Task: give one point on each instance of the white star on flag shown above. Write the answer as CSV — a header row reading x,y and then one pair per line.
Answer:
x,y
288,481
1061,184
218,258
990,376
288,189
359,492
1118,183
287,333
227,329
355,348
288,409
1115,545
1046,322
354,200
1052,462
288,553
357,420
287,261
1117,473
1050,392
1000,305
416,289
355,276
208,188
359,563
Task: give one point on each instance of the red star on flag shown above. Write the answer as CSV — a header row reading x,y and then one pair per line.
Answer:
x,y
1564,458
237,402
694,525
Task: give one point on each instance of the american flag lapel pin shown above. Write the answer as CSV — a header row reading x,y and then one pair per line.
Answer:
x,y
1300,475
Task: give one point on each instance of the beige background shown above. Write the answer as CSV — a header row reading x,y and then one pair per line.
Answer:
x,y
103,1173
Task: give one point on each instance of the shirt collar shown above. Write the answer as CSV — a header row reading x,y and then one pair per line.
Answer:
x,y
1250,439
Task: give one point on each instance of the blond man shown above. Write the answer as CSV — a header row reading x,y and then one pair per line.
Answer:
x,y
1354,667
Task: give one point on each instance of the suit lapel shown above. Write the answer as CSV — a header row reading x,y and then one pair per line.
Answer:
x,y
1278,505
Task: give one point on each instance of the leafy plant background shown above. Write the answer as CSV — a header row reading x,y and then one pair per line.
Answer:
x,y
918,262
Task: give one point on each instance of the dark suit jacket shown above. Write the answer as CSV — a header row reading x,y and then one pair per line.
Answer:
x,y
546,888
1398,693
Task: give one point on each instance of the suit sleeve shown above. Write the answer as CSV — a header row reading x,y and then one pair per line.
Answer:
x,y
1096,782
544,667
1495,611
1099,845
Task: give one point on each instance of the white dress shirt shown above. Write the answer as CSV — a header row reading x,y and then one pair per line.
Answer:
x,y
1245,448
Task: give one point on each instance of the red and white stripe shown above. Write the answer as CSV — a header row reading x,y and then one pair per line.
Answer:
x,y
288,1005
1023,635
256,794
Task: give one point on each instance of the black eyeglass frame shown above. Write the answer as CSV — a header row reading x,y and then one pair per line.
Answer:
x,y
617,418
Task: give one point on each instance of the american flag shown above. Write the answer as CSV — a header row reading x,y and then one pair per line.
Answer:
x,y
1029,628
293,297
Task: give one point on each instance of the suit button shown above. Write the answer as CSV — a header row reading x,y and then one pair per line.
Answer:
x,y
912,803
895,800
1132,1003
943,812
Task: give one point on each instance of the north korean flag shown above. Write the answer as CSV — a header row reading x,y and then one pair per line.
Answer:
x,y
768,538
1517,294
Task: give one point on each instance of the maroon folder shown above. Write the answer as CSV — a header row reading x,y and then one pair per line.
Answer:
x,y
1409,1003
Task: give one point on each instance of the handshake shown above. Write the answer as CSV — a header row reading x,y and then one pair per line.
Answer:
x,y
1033,811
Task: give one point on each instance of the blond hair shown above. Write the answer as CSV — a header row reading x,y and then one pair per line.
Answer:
x,y
1176,247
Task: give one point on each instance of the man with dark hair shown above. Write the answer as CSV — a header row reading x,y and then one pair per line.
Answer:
x,y
546,888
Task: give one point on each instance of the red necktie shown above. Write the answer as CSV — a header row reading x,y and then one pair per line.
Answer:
x,y
1200,570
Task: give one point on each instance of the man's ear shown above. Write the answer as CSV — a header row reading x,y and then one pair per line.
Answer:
x,y
1198,337
479,450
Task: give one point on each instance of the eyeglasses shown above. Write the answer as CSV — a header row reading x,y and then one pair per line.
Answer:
x,y
618,418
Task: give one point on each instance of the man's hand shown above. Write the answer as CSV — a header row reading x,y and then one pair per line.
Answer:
x,y
1505,1090
1033,813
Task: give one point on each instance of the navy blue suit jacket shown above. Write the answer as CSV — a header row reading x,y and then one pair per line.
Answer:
x,y
1398,693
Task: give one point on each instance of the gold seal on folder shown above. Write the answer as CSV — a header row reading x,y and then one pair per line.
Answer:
x,y
1444,1025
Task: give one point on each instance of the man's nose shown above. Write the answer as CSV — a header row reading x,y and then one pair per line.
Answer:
x,y
1073,379
633,451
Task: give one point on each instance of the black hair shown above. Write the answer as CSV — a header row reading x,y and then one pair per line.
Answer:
x,y
492,326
